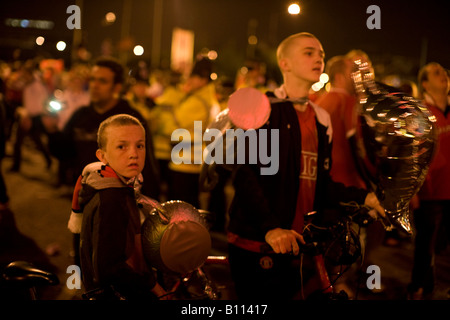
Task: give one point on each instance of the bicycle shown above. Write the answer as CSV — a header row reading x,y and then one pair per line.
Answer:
x,y
329,241
21,279
198,284
332,242
321,237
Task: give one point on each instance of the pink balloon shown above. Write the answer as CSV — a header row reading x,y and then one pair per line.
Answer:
x,y
249,108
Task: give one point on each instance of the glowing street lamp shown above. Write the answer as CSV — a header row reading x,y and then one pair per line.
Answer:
x,y
61,45
294,8
138,50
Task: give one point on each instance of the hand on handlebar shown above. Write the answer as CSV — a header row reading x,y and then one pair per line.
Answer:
x,y
161,293
372,202
284,240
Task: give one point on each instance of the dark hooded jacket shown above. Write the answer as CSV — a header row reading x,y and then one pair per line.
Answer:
x,y
265,202
111,250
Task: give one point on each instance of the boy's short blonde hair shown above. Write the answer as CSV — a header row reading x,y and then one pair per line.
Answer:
x,y
284,46
116,120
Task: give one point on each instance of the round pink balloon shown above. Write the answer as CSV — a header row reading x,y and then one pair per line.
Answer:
x,y
248,108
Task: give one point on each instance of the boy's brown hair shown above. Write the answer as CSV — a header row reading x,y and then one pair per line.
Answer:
x,y
116,120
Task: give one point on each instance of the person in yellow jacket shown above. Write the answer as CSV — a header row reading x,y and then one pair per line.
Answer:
x,y
162,118
193,114
162,123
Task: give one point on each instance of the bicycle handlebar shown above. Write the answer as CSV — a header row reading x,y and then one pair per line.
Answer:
x,y
314,234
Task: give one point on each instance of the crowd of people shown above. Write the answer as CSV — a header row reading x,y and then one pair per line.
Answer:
x,y
62,111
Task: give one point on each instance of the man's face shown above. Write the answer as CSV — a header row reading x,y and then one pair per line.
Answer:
x,y
101,85
437,79
124,150
305,59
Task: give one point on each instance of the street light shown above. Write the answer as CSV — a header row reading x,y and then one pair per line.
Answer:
x,y
138,50
294,8
61,45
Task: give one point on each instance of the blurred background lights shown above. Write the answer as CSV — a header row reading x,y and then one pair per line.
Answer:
x,y
55,105
29,23
212,54
324,78
110,17
13,22
24,23
317,86
253,40
294,8
138,50
244,70
322,82
58,94
61,45
40,40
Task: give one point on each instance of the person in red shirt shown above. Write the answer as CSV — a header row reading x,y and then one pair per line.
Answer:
x,y
268,210
340,102
432,216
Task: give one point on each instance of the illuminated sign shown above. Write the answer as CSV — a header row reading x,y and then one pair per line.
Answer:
x,y
26,23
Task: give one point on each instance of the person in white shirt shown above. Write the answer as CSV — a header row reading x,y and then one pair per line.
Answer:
x,y
35,97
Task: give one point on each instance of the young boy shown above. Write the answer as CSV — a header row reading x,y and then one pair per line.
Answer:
x,y
111,256
269,209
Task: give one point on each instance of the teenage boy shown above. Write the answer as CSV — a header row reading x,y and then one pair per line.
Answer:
x,y
270,209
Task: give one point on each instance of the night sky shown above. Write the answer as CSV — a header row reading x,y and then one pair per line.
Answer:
x,y
407,27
